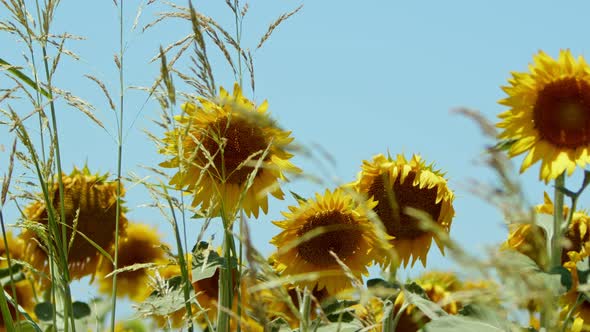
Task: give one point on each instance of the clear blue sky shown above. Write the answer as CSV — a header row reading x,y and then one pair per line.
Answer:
x,y
356,78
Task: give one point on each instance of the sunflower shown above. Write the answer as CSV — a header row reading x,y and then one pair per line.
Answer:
x,y
529,239
334,223
90,204
24,293
370,314
139,244
280,300
206,292
220,145
399,184
439,287
549,115
581,314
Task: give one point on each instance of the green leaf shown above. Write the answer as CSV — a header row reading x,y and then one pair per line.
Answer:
x,y
428,308
44,311
339,311
167,302
565,276
7,271
504,145
206,261
459,324
80,309
484,314
297,197
522,265
24,78
545,221
378,282
340,327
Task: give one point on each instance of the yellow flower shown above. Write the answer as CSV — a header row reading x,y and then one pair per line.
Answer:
x,y
549,115
371,314
399,184
24,294
439,287
529,239
335,223
90,207
140,244
218,145
581,314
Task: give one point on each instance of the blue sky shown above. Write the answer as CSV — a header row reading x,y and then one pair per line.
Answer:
x,y
356,79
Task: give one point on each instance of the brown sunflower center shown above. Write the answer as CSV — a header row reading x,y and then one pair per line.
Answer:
x,y
562,113
393,199
340,235
243,140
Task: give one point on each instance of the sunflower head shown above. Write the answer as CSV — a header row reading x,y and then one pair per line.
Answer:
x,y
24,293
228,152
90,208
439,287
140,244
370,313
399,184
529,240
549,115
330,223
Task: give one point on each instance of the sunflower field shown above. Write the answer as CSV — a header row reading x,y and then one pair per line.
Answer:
x,y
215,164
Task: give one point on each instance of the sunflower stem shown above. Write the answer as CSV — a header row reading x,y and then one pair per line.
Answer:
x,y
548,316
557,221
225,276
305,310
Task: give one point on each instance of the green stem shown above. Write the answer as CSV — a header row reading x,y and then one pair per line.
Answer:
x,y
119,167
226,289
305,310
557,221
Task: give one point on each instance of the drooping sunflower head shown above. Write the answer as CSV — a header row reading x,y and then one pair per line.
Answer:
x,y
140,244
399,184
229,152
439,287
529,240
549,115
90,208
332,222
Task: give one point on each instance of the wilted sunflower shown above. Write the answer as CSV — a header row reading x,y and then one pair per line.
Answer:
x,y
529,239
399,184
90,203
439,287
139,244
549,115
333,222
219,144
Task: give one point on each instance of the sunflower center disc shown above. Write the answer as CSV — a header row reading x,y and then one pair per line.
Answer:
x,y
562,113
394,199
342,236
243,140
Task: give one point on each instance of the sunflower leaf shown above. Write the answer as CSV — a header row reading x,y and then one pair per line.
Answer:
x,y
459,324
44,311
339,311
565,276
428,308
81,309
205,261
484,314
